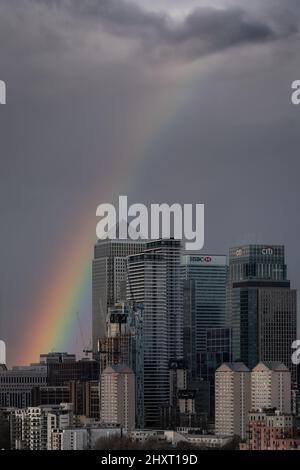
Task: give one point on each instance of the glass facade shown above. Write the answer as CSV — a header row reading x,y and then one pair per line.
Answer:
x,y
109,280
147,285
204,290
261,307
257,262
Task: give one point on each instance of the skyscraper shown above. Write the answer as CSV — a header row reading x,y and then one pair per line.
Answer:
x,y
187,407
204,299
147,285
262,308
171,251
108,280
154,282
217,351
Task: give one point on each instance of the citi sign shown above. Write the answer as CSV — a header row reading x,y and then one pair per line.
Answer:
x,y
267,251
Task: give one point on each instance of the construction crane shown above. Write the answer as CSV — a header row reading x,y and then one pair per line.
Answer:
x,y
86,350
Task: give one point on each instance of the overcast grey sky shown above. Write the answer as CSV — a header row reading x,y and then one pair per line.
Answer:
x,y
156,100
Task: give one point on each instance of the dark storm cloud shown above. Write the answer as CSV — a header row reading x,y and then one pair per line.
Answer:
x,y
82,102
203,31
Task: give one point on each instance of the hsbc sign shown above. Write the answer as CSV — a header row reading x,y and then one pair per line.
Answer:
x,y
205,260
201,259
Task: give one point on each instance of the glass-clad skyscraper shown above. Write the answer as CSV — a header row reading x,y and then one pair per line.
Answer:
x,y
153,281
204,298
147,285
109,280
262,308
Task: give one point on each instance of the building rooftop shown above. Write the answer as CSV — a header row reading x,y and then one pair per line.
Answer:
x,y
118,368
274,366
233,366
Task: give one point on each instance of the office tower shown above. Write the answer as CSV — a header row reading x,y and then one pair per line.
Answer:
x,y
187,406
178,379
84,397
233,399
50,395
147,285
108,280
117,390
277,310
262,307
16,384
31,427
217,351
271,387
61,373
204,298
171,251
153,282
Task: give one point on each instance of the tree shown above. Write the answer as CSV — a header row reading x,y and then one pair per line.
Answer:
x,y
234,444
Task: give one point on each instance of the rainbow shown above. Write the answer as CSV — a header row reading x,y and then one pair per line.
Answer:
x,y
57,305
52,324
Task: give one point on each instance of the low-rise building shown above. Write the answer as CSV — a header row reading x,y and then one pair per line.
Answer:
x,y
84,438
198,440
16,385
31,427
270,429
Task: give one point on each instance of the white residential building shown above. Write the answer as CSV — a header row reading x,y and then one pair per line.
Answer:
x,y
117,392
271,387
84,438
31,427
233,399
